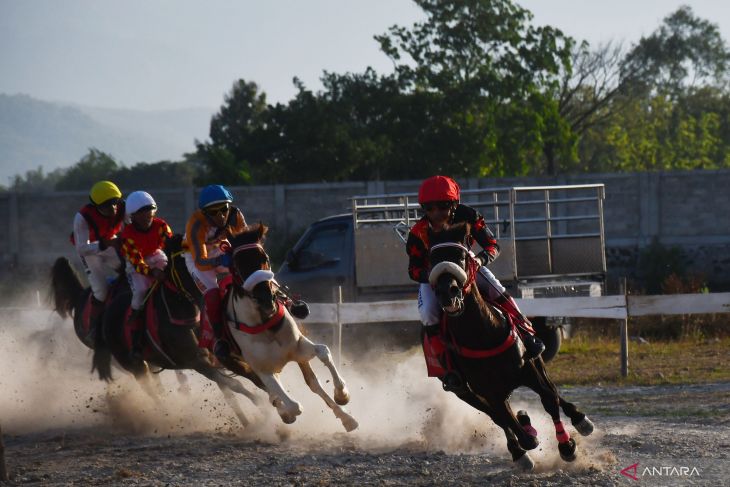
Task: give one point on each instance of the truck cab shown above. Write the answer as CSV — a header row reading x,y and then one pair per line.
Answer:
x,y
551,242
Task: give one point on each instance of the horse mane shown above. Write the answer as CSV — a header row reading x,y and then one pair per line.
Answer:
x,y
173,244
255,233
449,233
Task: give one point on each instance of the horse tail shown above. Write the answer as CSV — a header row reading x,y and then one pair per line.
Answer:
x,y
102,362
66,287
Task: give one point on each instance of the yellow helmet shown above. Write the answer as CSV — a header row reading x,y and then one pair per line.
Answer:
x,y
104,191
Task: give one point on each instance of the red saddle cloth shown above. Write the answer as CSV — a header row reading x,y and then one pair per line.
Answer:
x,y
151,323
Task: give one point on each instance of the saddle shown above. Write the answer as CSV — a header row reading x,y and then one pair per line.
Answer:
x,y
156,305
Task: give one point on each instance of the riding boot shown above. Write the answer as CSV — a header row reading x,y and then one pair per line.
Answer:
x,y
214,310
137,326
533,345
299,309
97,309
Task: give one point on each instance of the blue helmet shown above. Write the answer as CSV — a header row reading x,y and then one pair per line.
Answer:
x,y
214,194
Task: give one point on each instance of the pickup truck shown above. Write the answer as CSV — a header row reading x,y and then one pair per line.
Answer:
x,y
551,244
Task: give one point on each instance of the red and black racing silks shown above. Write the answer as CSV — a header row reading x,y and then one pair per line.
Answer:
x,y
417,245
100,226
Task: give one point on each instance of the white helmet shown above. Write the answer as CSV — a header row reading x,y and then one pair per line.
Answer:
x,y
138,200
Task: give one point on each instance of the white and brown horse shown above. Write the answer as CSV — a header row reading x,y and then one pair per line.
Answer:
x,y
267,334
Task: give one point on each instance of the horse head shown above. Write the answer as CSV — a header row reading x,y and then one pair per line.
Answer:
x,y
251,268
452,271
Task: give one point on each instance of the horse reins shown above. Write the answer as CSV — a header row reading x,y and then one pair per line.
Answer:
x,y
471,272
251,281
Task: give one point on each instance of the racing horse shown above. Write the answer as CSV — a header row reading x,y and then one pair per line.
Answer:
x,y
484,347
176,347
263,328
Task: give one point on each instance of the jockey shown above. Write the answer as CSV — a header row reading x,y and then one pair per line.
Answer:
x,y
215,220
143,241
95,230
439,198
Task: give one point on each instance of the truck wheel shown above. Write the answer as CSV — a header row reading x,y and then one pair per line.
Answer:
x,y
550,336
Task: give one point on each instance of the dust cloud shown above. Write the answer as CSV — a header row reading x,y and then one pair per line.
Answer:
x,y
46,385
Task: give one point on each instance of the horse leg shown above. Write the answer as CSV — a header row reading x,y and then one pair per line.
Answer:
x,y
287,408
537,379
241,368
146,381
182,380
307,350
311,379
221,380
231,400
580,421
505,419
519,455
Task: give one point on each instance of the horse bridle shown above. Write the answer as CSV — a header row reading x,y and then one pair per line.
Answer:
x,y
258,276
464,277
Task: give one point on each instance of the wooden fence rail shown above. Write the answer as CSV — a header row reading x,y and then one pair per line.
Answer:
x,y
610,307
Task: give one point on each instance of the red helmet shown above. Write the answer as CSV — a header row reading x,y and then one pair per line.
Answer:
x,y
438,188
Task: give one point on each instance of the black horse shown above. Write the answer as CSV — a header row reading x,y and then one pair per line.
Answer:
x,y
487,352
177,344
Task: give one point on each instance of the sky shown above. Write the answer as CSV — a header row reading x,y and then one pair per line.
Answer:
x,y
171,54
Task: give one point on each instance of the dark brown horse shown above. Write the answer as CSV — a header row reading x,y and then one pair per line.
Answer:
x,y
488,354
176,347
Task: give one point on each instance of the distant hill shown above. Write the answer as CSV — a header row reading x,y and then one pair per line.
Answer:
x,y
37,133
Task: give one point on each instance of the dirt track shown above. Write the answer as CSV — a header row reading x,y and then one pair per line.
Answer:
x,y
62,427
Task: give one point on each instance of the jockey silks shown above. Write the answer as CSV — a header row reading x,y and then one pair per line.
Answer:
x,y
203,238
417,245
139,244
100,226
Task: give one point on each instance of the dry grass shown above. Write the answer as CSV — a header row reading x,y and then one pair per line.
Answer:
x,y
597,361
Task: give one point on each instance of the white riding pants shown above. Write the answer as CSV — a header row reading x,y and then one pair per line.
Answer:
x,y
139,283
98,268
204,279
429,308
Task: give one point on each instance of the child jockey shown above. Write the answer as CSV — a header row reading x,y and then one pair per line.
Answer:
x,y
143,241
439,198
95,230
215,220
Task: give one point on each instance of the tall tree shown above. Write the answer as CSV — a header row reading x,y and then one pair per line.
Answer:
x,y
94,166
684,53
492,72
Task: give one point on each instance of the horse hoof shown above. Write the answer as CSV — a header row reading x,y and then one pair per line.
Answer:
x,y
288,418
584,427
342,397
567,450
349,423
528,442
525,462
524,420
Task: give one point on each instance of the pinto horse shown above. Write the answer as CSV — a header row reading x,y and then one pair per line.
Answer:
x,y
484,347
268,336
176,347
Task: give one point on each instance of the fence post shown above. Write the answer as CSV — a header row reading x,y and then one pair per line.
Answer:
x,y
625,335
3,469
337,330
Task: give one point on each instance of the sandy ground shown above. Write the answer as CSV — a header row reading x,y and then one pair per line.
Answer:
x,y
63,427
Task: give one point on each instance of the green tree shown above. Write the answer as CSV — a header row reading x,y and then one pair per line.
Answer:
x,y
94,166
493,75
684,53
233,136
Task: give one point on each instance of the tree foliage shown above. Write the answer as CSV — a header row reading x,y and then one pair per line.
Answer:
x,y
477,90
